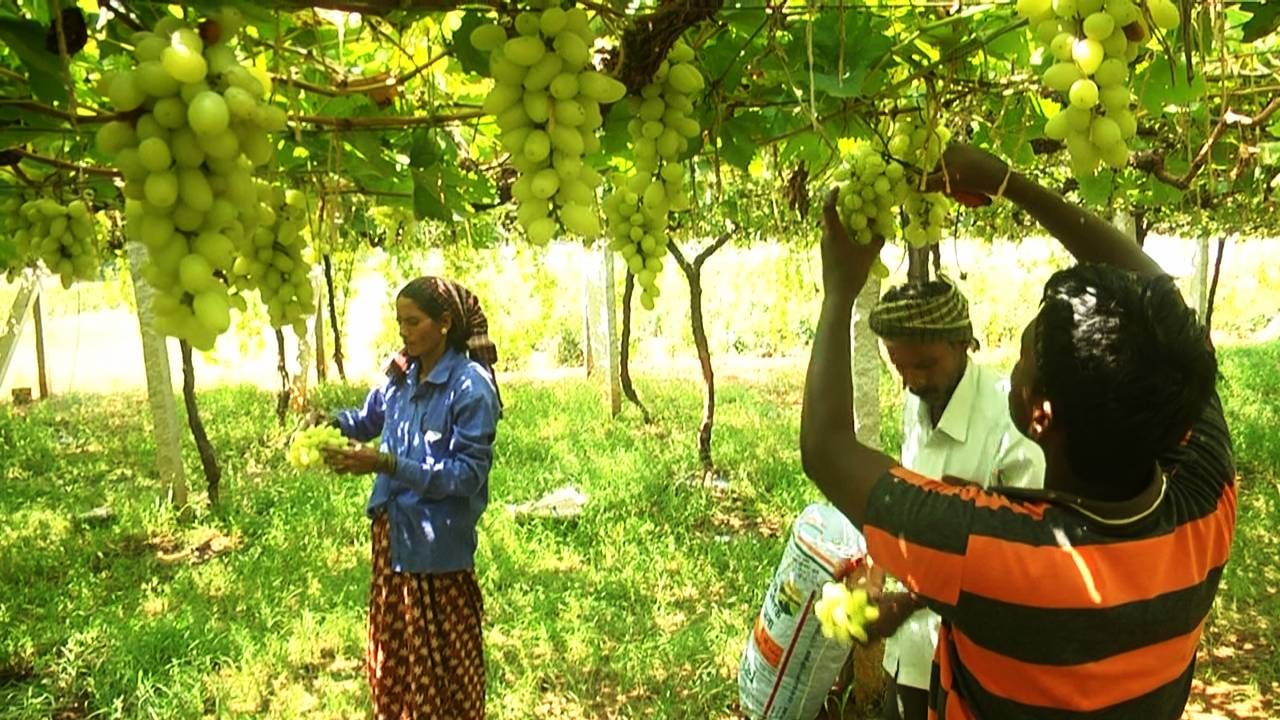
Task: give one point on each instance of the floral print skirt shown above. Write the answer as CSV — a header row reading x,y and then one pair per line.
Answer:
x,y
425,656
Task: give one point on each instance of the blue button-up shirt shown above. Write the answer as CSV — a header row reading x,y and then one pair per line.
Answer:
x,y
441,431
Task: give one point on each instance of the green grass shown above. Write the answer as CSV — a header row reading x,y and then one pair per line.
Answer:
x,y
637,609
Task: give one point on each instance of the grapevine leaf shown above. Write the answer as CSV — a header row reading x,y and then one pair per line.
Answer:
x,y
1265,20
1162,84
25,38
1096,189
471,59
428,201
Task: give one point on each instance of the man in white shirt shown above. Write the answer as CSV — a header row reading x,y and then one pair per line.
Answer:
x,y
955,423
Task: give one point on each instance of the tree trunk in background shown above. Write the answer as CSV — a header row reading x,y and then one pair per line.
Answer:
x,y
609,341
155,359
600,325
918,265
322,365
588,361
866,366
1213,286
42,376
212,474
333,317
693,273
282,367
624,350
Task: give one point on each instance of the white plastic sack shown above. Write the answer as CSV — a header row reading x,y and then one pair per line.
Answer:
x,y
788,666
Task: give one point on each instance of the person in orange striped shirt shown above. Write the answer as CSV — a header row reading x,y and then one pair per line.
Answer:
x,y
1085,599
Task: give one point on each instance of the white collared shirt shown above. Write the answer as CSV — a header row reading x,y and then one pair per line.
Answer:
x,y
975,440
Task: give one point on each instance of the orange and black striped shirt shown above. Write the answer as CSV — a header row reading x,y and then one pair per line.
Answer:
x,y
1051,614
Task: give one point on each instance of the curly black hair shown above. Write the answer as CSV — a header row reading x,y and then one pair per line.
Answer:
x,y
1126,365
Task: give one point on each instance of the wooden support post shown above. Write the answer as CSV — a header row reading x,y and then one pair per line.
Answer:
x,y
27,295
155,358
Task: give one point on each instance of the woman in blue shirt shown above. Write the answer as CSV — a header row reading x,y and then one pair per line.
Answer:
x,y
437,416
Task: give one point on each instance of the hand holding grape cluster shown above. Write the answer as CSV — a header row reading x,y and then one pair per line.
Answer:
x,y
843,613
308,446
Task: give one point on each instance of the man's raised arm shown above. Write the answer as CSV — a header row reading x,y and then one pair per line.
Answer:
x,y
843,468
1086,236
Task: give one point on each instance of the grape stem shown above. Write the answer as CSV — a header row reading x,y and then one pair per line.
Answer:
x,y
64,164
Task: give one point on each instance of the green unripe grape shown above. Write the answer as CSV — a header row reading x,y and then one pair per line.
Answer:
x,y
543,72
125,94
208,114
161,189
114,137
170,113
1084,94
1088,54
1061,47
1105,132
570,46
1059,77
240,103
1164,13
154,80
1057,126
1030,9
1111,72
524,51
488,37
1099,26
1115,156
527,23
1115,45
185,65
552,21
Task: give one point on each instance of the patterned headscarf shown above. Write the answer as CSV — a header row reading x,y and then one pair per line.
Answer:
x,y
469,330
930,311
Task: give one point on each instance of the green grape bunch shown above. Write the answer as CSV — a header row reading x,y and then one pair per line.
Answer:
x,y
306,450
547,100
870,191
63,236
276,259
1093,44
843,614
921,147
638,210
196,127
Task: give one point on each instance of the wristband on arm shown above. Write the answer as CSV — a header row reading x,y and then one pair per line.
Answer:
x,y
386,463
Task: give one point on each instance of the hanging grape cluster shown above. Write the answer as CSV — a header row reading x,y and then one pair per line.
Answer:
x,y
922,147
660,128
1092,44
64,236
871,189
198,127
546,98
276,260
